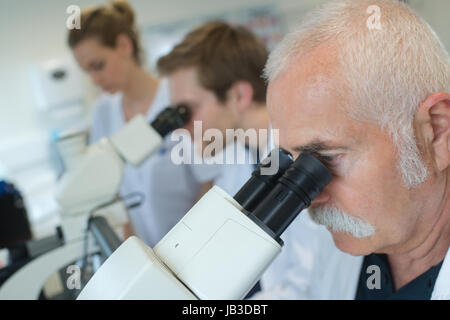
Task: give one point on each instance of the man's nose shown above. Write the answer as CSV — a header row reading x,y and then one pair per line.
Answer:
x,y
321,198
96,79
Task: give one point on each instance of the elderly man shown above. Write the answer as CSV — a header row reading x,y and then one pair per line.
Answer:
x,y
364,85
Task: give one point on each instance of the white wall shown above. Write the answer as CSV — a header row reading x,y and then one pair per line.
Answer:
x,y
31,31
436,13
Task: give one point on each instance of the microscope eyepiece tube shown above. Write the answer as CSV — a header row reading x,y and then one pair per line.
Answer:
x,y
170,119
294,191
258,186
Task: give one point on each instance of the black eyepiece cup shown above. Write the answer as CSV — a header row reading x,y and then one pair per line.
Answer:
x,y
170,119
295,190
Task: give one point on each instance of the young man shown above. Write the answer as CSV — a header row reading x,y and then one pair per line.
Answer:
x,y
217,71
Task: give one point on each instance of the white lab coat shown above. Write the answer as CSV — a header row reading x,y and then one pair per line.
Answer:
x,y
233,176
310,266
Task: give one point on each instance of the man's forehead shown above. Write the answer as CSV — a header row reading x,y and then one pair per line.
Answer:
x,y
305,104
308,69
311,120
317,139
295,102
183,84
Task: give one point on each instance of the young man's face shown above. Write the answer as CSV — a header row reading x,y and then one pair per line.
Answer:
x,y
205,107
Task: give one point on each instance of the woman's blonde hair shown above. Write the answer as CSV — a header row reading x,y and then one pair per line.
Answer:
x,y
106,23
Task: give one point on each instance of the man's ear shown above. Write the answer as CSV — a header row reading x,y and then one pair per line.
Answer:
x,y
433,117
240,95
124,45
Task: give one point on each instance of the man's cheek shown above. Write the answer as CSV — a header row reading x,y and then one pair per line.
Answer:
x,y
202,117
354,193
371,204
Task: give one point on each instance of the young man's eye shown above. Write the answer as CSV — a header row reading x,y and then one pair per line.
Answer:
x,y
98,66
193,106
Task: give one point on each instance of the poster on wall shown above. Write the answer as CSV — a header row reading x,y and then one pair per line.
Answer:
x,y
264,21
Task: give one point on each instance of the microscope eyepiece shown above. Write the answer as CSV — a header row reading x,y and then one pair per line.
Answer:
x,y
171,118
259,185
307,175
294,191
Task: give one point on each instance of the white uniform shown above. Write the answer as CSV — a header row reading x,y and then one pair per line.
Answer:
x,y
169,190
233,176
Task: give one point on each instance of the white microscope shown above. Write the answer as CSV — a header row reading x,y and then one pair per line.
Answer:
x,y
95,181
90,186
221,247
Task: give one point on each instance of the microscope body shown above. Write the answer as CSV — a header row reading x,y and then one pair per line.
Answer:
x,y
222,246
215,252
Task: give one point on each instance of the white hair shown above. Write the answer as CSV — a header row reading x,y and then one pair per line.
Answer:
x,y
340,221
388,71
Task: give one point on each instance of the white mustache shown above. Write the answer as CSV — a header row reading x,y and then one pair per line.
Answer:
x,y
340,221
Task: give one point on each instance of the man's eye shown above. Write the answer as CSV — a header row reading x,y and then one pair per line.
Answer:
x,y
329,161
193,106
98,66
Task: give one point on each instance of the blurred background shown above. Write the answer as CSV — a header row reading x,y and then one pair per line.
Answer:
x,y
44,98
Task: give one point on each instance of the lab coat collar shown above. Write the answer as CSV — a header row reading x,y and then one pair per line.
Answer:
x,y
441,289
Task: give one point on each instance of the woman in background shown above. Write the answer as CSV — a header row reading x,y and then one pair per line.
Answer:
x,y
107,48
